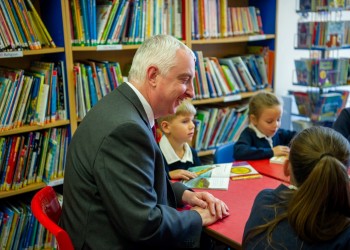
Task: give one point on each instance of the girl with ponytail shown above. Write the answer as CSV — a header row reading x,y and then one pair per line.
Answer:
x,y
313,213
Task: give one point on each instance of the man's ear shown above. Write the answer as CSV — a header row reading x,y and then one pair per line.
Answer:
x,y
286,167
152,73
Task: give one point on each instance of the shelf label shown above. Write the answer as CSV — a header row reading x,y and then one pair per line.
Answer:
x,y
231,98
257,37
110,47
11,54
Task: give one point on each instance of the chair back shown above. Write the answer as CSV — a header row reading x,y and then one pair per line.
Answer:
x,y
224,153
47,210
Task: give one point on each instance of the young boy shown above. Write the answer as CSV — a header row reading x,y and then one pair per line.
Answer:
x,y
178,131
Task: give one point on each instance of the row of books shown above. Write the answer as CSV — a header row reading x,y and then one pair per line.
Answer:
x,y
332,34
35,96
32,158
323,5
94,80
20,229
320,106
217,126
22,27
225,76
100,22
229,21
325,72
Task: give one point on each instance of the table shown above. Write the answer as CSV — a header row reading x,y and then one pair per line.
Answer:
x,y
272,170
239,197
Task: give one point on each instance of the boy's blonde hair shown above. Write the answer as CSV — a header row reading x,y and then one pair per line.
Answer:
x,y
261,101
185,108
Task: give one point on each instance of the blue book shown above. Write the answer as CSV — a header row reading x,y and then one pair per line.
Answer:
x,y
86,21
115,21
93,95
54,95
93,23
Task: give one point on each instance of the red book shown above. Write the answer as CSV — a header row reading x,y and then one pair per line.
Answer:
x,y
12,162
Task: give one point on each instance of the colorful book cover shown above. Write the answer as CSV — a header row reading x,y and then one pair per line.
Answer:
x,y
214,176
243,170
303,72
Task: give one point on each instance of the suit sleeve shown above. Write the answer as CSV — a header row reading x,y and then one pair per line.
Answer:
x,y
126,176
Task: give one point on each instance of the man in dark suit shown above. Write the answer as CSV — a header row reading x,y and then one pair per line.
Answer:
x,y
116,194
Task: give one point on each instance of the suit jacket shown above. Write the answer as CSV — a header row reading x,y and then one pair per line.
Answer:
x,y
116,194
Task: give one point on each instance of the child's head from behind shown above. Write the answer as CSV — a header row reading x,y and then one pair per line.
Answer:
x,y
179,126
315,149
319,160
265,112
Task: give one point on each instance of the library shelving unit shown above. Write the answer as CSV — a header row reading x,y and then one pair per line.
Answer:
x,y
52,16
322,32
57,18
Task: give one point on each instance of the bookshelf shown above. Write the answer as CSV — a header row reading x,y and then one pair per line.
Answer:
x,y
56,17
322,31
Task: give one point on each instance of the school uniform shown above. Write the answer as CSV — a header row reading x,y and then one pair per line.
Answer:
x,y
253,145
342,124
283,236
171,159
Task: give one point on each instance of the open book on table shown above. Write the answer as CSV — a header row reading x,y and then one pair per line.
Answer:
x,y
213,176
278,159
243,170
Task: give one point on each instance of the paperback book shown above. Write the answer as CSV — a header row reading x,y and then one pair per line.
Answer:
x,y
243,170
278,159
212,176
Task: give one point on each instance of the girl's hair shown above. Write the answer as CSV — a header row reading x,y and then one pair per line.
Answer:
x,y
261,101
319,209
185,108
160,51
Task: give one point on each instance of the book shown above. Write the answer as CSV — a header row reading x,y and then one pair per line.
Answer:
x,y
241,170
212,176
278,159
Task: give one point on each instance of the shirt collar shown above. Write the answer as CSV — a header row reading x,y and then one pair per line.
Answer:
x,y
261,135
145,105
169,153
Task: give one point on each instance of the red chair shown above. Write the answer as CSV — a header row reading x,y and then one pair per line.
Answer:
x,y
47,210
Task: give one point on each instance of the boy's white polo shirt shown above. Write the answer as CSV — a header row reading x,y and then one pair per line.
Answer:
x,y
169,153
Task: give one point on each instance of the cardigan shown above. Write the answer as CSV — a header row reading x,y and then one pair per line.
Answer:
x,y
250,147
283,236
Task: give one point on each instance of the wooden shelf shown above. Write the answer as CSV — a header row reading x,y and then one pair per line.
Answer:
x,y
29,188
229,98
29,128
236,39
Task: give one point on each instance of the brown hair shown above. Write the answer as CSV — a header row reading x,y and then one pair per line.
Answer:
x,y
319,209
261,101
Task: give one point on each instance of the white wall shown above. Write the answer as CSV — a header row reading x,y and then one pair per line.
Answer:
x,y
286,26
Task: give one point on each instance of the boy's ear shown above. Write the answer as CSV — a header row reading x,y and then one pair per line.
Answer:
x,y
164,125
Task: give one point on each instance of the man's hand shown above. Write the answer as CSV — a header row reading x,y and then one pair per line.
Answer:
x,y
209,207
